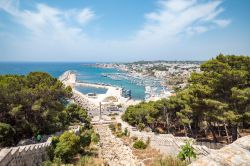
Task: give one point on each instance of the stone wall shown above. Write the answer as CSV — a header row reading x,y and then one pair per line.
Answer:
x,y
29,155
24,155
165,143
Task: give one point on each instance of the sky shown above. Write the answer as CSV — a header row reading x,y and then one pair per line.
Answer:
x,y
122,30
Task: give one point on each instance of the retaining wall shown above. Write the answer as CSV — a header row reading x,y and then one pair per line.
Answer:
x,y
165,143
28,155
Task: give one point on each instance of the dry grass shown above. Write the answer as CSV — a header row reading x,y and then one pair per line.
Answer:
x,y
168,161
90,161
147,155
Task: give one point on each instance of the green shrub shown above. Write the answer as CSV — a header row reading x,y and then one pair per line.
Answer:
x,y
85,138
89,161
112,127
47,163
95,137
139,144
67,147
187,152
119,126
55,162
141,126
7,133
125,131
169,161
119,134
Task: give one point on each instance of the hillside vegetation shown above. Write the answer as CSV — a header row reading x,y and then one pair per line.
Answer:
x,y
216,102
34,104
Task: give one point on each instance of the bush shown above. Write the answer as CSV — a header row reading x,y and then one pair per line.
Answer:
x,y
140,145
55,162
187,152
119,134
95,137
125,131
141,126
89,161
119,126
85,138
169,161
7,133
67,147
112,127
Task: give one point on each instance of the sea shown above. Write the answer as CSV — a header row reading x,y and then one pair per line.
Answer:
x,y
86,72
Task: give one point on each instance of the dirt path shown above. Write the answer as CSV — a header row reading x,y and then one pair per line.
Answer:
x,y
113,149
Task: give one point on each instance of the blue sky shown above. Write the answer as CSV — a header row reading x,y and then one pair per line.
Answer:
x,y
122,30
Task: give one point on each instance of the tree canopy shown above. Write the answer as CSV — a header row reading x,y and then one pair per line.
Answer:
x,y
218,96
34,104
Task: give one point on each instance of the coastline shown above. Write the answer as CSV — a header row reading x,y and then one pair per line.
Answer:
x,y
112,97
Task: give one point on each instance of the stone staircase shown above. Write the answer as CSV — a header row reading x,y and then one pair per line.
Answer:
x,y
165,143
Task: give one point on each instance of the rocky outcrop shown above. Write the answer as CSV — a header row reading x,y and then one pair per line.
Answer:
x,y
113,150
235,154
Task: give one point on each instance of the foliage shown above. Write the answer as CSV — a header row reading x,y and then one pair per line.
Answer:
x,y
67,147
76,114
141,126
95,138
169,161
139,144
125,131
219,95
32,104
89,161
187,152
117,130
112,127
85,138
7,133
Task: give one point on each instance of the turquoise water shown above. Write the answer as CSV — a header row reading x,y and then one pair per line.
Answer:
x,y
86,90
85,72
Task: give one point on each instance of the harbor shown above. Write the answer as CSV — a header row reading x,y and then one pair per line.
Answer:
x,y
109,102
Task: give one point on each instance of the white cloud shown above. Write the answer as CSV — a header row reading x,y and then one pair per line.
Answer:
x,y
222,23
180,16
61,32
176,5
47,21
85,15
